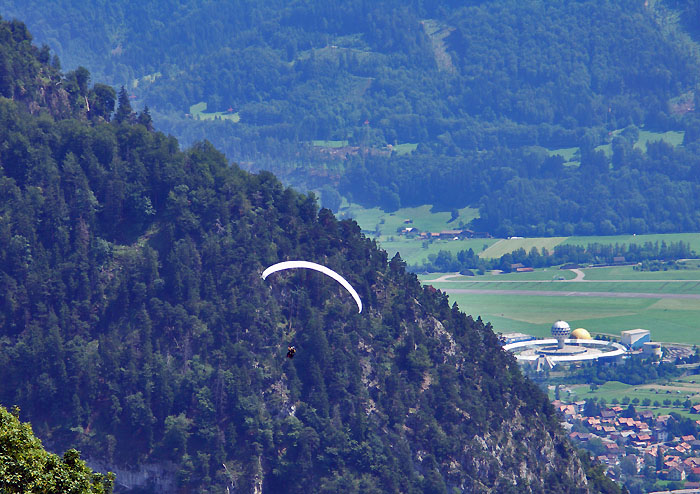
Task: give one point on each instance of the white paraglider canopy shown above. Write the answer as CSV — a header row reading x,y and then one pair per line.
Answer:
x,y
281,266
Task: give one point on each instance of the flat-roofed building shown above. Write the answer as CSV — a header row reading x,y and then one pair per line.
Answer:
x,y
652,348
508,338
635,338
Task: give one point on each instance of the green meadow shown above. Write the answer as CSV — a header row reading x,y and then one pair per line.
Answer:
x,y
614,392
669,319
545,274
385,228
405,148
330,144
507,245
692,272
199,112
673,137
572,156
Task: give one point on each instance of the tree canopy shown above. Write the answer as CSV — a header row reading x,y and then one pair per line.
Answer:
x,y
25,466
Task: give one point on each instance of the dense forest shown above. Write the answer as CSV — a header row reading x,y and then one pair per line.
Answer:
x,y
135,326
484,92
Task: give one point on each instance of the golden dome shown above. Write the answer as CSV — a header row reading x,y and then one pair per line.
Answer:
x,y
581,334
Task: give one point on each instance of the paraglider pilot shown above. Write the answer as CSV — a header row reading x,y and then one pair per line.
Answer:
x,y
291,351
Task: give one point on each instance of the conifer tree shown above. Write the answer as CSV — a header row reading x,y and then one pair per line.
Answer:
x,y
124,112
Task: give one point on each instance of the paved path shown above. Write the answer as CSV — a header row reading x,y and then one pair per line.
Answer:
x,y
579,274
551,293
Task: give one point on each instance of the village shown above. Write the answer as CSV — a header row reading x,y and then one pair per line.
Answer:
x,y
454,234
637,444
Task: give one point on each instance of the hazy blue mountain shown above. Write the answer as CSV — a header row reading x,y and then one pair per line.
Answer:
x,y
480,94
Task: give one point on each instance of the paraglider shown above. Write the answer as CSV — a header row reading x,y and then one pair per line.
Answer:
x,y
281,266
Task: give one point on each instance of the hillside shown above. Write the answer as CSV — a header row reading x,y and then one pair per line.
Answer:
x,y
508,106
136,327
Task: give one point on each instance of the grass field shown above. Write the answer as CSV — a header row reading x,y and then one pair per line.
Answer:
x,y
413,252
570,289
505,246
330,144
669,319
572,155
673,137
545,274
383,226
614,391
628,273
424,218
199,112
405,148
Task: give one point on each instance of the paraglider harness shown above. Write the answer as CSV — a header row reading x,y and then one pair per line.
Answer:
x,y
291,351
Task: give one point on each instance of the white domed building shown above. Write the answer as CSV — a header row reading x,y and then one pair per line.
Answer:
x,y
565,346
560,332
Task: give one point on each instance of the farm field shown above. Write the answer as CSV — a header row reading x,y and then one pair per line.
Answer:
x,y
505,246
405,148
545,274
414,253
571,289
373,220
383,227
627,273
615,392
669,319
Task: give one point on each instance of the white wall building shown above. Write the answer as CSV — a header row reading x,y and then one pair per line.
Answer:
x,y
635,338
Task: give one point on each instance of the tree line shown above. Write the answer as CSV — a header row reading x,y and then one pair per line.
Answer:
x,y
467,261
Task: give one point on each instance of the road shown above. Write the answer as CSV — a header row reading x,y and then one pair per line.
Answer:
x,y
552,293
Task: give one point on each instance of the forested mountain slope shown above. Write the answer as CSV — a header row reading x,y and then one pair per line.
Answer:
x,y
136,327
486,90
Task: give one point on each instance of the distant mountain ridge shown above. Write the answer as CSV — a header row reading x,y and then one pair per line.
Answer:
x,y
486,93
135,325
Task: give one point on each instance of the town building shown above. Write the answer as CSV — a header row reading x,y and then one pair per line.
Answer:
x,y
635,338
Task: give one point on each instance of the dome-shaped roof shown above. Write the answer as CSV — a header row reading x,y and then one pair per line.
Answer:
x,y
581,334
560,328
